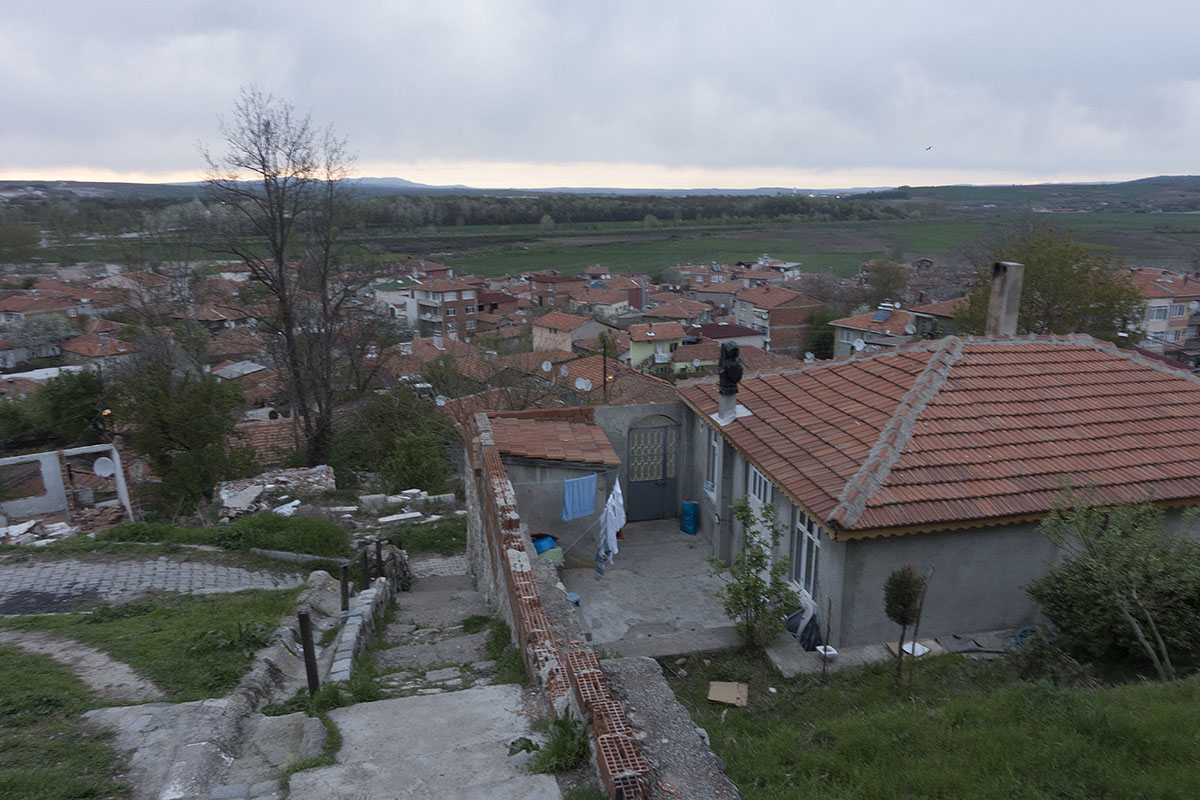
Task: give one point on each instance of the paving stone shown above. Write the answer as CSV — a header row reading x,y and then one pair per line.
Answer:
x,y
232,791
446,674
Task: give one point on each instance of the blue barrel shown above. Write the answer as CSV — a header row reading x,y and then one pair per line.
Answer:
x,y
688,515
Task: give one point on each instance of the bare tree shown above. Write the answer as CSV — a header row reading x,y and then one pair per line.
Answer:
x,y
286,183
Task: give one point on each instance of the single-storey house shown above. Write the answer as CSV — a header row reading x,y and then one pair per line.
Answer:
x,y
943,454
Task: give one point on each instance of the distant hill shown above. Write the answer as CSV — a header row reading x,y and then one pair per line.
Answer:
x,y
1162,193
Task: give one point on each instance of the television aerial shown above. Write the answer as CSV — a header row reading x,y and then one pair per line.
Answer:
x,y
859,344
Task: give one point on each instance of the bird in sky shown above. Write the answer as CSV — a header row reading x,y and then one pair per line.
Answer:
x,y
929,148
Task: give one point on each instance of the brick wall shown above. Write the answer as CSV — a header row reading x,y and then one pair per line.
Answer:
x,y
560,663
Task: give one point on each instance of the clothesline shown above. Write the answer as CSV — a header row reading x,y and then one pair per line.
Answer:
x,y
542,482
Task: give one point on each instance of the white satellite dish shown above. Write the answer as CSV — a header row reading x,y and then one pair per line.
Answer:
x,y
563,370
583,384
547,366
441,400
1194,306
859,344
809,357
910,329
104,467
696,363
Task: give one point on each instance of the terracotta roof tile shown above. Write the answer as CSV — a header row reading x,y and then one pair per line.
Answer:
x,y
656,330
553,441
776,296
957,431
557,320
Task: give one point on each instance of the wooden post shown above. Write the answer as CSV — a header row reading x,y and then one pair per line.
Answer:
x,y
366,569
379,558
345,587
310,654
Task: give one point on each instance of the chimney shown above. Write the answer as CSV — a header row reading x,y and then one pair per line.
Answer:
x,y
1005,301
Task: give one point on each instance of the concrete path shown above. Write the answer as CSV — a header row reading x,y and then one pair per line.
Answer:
x,y
110,679
392,751
55,586
657,598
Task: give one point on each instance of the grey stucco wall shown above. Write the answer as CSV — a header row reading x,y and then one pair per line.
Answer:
x,y
978,575
616,421
539,490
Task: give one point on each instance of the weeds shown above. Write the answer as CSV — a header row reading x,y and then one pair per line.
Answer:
x,y
510,667
445,536
566,746
475,623
584,792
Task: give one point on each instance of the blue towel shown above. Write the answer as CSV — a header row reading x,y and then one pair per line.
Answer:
x,y
579,497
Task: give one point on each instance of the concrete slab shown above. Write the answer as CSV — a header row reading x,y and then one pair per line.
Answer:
x,y
657,598
390,750
454,650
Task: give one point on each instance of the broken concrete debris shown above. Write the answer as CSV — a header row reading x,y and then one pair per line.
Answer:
x,y
263,492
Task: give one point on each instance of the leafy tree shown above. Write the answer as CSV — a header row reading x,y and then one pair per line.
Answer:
x,y
887,281
1128,587
43,329
1067,288
757,593
183,424
820,339
417,463
902,593
18,242
64,412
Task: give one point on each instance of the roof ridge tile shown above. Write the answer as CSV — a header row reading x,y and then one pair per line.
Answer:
x,y
896,434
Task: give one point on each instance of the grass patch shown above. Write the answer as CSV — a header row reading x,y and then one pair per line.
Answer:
x,y
445,536
328,757
46,753
363,687
566,746
191,646
510,667
963,729
265,531
475,623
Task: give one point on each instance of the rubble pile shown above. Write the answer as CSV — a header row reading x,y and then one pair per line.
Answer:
x,y
264,492
39,531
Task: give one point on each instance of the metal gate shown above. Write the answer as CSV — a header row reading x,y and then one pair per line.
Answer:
x,y
653,472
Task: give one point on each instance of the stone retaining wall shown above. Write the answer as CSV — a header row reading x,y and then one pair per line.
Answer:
x,y
358,627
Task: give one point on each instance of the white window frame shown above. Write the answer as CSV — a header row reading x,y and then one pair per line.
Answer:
x,y
712,471
470,324
451,327
846,336
1174,336
1177,309
1156,313
758,487
805,553
450,311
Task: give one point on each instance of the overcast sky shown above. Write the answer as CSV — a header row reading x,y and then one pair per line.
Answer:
x,y
732,94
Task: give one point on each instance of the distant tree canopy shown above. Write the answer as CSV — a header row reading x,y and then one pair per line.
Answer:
x,y
63,412
1067,288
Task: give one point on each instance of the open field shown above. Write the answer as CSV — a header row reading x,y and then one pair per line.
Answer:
x,y
963,729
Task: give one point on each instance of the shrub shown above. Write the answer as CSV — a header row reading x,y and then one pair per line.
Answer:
x,y
292,534
1128,588
757,593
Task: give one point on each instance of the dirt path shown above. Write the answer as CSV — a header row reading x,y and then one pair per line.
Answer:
x,y
111,679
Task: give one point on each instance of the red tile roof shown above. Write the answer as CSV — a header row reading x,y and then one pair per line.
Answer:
x,y
558,321
892,326
33,302
94,345
553,441
942,308
776,296
655,331
532,361
723,331
958,433
679,308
